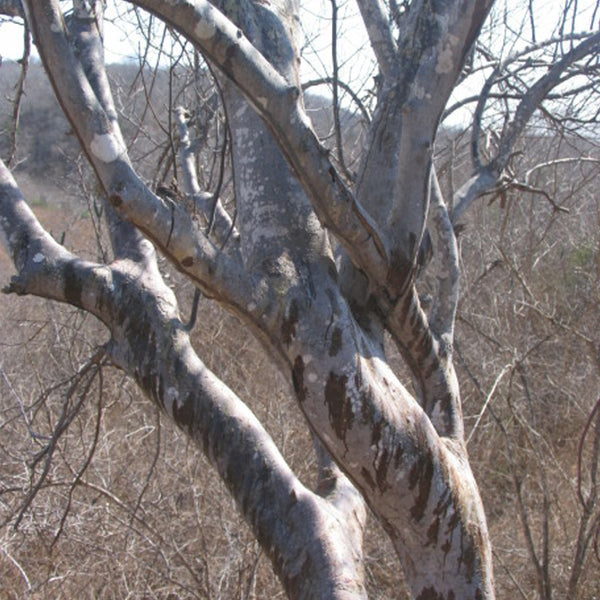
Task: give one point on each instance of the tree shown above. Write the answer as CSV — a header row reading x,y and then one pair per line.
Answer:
x,y
320,264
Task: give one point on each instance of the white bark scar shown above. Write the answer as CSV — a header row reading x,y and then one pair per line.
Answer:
x,y
106,147
205,28
171,398
38,258
4,238
419,91
445,61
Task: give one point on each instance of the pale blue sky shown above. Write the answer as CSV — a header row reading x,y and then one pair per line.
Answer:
x,y
358,67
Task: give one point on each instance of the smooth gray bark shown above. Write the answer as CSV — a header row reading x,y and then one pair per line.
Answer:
x,y
402,453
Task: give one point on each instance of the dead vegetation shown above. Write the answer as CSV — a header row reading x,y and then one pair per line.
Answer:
x,y
100,497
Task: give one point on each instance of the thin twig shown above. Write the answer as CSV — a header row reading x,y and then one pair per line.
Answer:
x,y
18,101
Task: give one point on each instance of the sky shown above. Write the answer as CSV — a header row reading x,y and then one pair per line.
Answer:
x,y
122,42
357,67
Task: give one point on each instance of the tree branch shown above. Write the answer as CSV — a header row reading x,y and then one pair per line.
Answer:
x,y
168,225
209,205
378,27
535,94
300,532
277,101
443,313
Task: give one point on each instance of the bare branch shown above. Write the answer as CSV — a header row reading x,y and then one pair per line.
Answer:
x,y
535,94
329,81
17,102
336,101
207,204
169,226
11,8
277,101
167,369
380,36
446,255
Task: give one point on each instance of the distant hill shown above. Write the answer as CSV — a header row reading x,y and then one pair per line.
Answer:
x,y
48,150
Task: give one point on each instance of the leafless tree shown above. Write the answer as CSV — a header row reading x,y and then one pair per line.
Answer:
x,y
319,262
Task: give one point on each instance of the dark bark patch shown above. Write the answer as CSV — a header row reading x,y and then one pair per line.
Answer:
x,y
116,200
381,469
20,248
432,532
376,433
467,557
421,475
152,386
296,582
453,522
336,342
298,378
73,286
443,504
446,410
230,54
340,409
288,325
367,477
188,261
399,273
184,414
332,271
431,594
398,455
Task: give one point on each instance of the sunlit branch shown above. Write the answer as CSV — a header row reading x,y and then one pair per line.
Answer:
x,y
166,223
170,373
380,35
443,312
208,205
277,101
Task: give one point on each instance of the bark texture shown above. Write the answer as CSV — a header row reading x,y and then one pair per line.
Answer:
x,y
322,320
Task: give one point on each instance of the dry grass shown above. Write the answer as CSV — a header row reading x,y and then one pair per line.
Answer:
x,y
149,519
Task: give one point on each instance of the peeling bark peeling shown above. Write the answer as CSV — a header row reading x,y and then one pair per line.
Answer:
x,y
322,320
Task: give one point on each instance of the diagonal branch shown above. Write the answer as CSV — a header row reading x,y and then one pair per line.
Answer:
x,y
486,176
278,102
208,204
168,225
300,531
536,93
443,313
85,29
393,182
378,27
